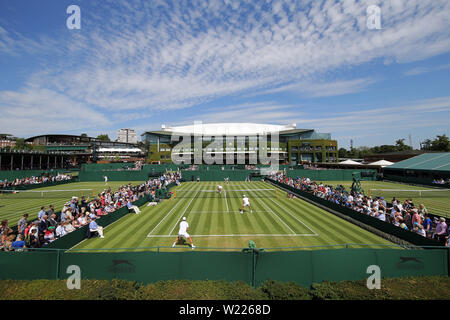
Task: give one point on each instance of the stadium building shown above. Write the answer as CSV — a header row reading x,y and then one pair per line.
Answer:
x,y
241,142
84,149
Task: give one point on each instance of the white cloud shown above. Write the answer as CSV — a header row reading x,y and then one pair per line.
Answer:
x,y
421,70
41,110
180,57
152,56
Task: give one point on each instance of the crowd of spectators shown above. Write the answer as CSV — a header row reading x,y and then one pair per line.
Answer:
x,y
404,214
49,225
441,181
5,184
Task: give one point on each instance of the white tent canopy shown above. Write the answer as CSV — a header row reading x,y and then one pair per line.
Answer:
x,y
383,163
350,162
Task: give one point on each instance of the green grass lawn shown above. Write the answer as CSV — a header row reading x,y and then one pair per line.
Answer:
x,y
13,208
438,205
215,221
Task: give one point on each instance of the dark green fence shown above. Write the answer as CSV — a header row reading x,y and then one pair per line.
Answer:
x,y
42,185
20,174
332,175
383,226
126,175
303,266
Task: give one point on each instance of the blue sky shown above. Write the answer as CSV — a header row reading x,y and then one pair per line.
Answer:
x,y
141,64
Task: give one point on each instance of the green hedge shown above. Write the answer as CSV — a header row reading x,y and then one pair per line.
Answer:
x,y
418,288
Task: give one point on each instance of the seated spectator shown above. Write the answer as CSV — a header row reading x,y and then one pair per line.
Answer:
x,y
133,207
7,244
60,230
94,227
428,226
82,220
69,227
22,224
381,215
33,239
441,231
19,244
49,236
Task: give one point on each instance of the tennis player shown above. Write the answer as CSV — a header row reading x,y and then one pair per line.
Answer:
x,y
183,232
106,180
219,189
246,203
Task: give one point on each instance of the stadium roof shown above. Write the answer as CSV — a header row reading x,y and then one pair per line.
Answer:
x,y
439,161
235,129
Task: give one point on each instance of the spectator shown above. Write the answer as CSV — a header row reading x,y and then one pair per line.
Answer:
x,y
428,225
60,231
94,227
19,244
133,207
441,231
41,213
22,224
68,227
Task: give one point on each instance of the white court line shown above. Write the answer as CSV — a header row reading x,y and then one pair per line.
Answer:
x,y
182,214
242,235
226,201
270,210
297,219
164,218
197,212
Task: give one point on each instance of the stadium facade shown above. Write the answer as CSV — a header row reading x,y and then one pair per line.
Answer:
x,y
84,149
241,142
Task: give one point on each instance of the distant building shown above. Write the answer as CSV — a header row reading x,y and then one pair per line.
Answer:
x,y
127,136
7,143
85,149
295,145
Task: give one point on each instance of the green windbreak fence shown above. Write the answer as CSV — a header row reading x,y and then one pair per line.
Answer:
x,y
42,185
20,174
215,175
331,175
302,267
113,175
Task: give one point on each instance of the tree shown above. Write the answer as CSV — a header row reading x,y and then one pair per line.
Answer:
x,y
401,146
441,143
103,137
83,135
22,145
342,153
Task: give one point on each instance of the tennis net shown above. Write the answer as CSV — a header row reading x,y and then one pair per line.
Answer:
x,y
233,193
47,194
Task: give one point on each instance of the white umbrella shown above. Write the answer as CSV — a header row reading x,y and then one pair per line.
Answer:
x,y
350,162
383,163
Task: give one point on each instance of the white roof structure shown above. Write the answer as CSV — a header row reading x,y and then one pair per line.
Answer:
x,y
383,163
235,129
350,162
119,150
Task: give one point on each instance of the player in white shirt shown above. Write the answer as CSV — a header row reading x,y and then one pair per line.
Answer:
x,y
246,203
106,180
183,232
219,189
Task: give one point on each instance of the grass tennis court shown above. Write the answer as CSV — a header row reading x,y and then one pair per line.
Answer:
x,y
435,200
215,221
14,206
